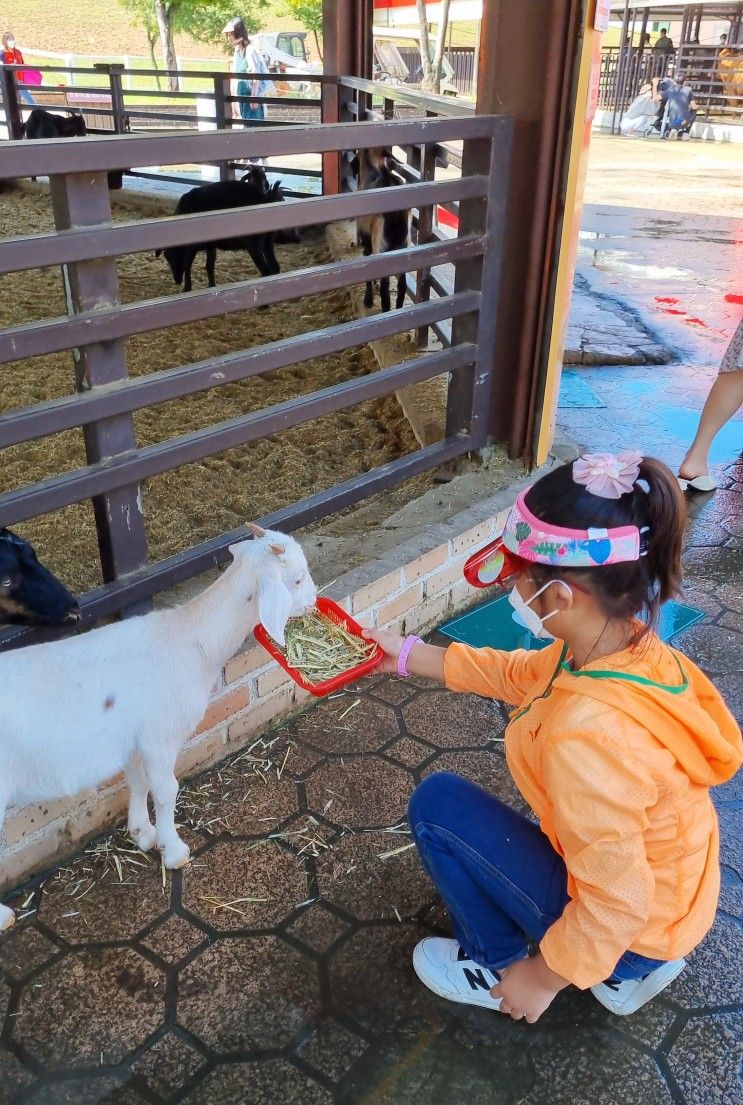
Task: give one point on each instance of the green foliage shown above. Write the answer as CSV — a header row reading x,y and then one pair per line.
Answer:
x,y
522,531
201,19
308,13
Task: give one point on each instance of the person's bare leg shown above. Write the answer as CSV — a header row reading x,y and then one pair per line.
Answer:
x,y
726,395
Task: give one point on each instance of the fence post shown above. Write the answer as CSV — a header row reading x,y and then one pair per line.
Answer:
x,y
11,106
113,70
70,63
427,169
82,200
468,400
223,117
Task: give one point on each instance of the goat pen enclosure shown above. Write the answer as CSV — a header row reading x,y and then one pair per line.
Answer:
x,y
86,245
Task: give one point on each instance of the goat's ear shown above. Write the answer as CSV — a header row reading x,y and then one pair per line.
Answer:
x,y
277,550
274,602
257,531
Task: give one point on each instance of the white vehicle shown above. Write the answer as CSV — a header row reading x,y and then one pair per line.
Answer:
x,y
391,67
285,52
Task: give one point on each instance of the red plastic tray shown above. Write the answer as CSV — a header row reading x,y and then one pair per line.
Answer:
x,y
338,615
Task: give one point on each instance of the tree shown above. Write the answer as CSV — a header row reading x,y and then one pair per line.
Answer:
x,y
202,19
308,14
431,59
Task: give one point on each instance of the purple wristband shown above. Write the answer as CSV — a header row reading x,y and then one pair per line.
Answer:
x,y
402,659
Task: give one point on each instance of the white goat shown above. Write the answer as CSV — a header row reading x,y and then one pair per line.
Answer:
x,y
127,696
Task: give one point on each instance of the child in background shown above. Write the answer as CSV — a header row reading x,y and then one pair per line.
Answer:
x,y
615,743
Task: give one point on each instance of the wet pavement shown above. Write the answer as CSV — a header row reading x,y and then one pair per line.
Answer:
x,y
276,967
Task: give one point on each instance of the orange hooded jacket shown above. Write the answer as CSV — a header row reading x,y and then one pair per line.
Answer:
x,y
616,761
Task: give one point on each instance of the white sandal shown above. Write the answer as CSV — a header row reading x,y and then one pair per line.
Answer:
x,y
699,483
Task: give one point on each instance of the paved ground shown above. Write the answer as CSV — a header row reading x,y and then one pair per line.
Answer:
x,y
276,968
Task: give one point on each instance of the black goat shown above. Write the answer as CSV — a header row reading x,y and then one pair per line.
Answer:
x,y
256,175
29,593
216,197
374,168
45,124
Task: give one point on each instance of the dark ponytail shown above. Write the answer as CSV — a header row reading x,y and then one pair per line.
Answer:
x,y
655,505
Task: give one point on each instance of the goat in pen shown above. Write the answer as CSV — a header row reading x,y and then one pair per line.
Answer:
x,y
375,168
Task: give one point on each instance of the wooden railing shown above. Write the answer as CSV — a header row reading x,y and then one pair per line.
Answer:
x,y
86,243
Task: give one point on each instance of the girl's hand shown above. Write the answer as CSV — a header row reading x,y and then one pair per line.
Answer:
x,y
527,988
390,643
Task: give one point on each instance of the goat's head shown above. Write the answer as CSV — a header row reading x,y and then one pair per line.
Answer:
x,y
29,593
73,126
256,175
175,256
285,587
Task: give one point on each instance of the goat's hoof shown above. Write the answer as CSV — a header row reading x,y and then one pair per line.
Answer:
x,y
7,918
143,838
176,856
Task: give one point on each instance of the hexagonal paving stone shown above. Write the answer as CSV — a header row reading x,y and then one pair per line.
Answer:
x,y
333,726
23,950
706,1060
366,791
247,993
173,939
488,769
317,927
234,870
372,981
449,720
107,1090
440,1071
712,975
714,648
394,691
409,752
596,1071
252,807
731,838
13,1075
332,1049
84,908
695,593
92,1007
257,1084
730,595
715,566
168,1065
650,1024
353,876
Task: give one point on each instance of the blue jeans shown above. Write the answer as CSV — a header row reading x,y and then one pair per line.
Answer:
x,y
500,878
246,111
25,96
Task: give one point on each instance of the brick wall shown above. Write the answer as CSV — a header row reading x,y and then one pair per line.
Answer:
x,y
411,591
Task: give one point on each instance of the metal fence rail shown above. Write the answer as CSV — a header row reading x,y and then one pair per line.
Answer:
x,y
86,244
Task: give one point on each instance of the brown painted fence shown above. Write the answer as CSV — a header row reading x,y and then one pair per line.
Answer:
x,y
86,244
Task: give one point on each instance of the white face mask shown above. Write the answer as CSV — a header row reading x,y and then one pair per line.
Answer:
x,y
11,43
524,616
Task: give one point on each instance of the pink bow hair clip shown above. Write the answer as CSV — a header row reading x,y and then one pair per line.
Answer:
x,y
607,475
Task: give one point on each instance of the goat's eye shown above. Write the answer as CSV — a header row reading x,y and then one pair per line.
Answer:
x,y
6,582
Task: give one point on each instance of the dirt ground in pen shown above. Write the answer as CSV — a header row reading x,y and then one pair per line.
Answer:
x,y
200,500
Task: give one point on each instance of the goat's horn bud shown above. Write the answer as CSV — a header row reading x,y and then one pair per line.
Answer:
x,y
257,531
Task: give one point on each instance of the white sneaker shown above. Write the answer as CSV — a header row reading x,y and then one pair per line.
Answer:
x,y
623,998
443,967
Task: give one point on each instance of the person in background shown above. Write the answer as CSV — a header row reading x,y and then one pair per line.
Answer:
x,y
13,56
247,59
724,399
664,45
678,98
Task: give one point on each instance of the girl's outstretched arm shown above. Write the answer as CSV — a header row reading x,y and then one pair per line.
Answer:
x,y
424,660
